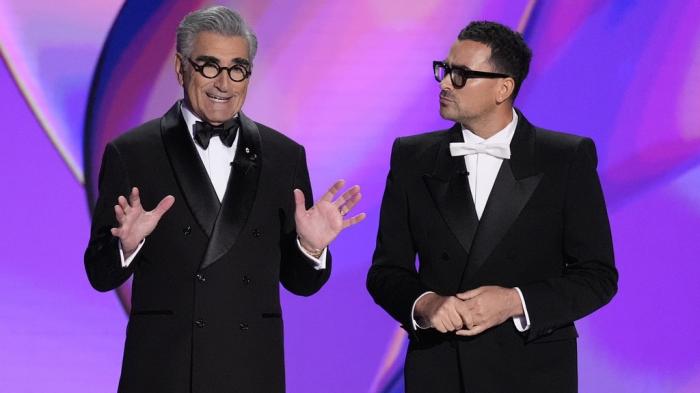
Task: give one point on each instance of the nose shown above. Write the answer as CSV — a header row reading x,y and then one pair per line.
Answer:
x,y
222,81
446,83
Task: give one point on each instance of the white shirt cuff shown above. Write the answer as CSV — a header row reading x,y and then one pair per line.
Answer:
x,y
416,326
522,322
126,262
320,262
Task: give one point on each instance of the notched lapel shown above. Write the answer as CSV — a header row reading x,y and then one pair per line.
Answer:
x,y
189,171
241,191
449,188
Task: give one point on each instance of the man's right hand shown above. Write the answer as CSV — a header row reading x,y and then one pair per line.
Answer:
x,y
444,313
135,223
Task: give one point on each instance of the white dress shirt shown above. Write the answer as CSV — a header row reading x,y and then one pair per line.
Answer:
x,y
217,160
483,169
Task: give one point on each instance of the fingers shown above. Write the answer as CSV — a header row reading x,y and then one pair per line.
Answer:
x,y
456,320
446,317
471,332
440,327
348,196
470,294
328,196
299,201
468,320
354,220
348,203
134,198
164,205
123,203
119,214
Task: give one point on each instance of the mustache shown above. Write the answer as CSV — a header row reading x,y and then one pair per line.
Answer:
x,y
446,94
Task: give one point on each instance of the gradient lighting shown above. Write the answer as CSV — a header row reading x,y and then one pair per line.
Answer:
x,y
53,48
345,78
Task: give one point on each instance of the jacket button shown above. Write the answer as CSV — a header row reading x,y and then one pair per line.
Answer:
x,y
200,323
445,256
187,230
246,280
256,232
243,326
200,277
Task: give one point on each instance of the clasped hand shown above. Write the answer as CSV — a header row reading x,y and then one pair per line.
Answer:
x,y
469,313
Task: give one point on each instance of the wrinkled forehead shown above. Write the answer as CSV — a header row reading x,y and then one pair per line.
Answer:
x,y
471,54
224,49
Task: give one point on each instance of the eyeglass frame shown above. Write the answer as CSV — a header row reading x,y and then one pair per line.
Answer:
x,y
466,73
200,70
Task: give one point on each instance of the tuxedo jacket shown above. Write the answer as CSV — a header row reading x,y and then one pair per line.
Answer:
x,y
205,314
544,229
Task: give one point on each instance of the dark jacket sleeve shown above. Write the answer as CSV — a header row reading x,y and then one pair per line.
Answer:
x,y
392,279
589,278
297,272
102,260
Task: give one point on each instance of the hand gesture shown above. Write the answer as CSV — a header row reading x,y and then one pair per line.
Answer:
x,y
487,307
444,313
135,223
318,226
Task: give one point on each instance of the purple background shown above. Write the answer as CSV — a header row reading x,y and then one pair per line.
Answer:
x,y
345,78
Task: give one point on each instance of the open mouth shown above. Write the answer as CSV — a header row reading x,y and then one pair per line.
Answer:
x,y
218,98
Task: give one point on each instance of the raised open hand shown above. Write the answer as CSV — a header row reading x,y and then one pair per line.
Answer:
x,y
135,223
318,226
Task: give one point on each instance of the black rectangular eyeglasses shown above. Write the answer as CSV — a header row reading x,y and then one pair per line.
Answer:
x,y
459,75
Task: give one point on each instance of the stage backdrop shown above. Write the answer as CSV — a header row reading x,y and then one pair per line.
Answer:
x,y
345,78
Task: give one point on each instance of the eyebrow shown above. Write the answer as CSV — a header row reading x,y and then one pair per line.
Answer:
x,y
453,65
212,59
241,61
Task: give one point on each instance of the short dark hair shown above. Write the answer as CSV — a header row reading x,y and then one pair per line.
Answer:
x,y
509,52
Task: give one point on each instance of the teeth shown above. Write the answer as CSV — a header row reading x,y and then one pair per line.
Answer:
x,y
217,98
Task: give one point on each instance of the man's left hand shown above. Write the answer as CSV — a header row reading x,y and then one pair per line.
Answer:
x,y
318,226
489,306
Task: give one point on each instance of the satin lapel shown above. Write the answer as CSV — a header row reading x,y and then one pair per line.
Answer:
x,y
449,188
516,181
189,171
240,192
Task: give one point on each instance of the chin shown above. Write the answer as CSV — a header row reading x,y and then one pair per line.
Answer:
x,y
219,116
447,115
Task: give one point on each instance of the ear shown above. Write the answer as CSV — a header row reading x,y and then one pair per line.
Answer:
x,y
505,90
179,69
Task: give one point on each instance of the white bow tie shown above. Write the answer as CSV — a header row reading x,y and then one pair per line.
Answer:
x,y
498,150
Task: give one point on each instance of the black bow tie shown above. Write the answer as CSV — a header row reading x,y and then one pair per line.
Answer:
x,y
203,132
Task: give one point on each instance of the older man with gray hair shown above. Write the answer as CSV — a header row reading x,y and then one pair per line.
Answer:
x,y
229,220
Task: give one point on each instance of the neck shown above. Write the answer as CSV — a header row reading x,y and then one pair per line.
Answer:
x,y
490,123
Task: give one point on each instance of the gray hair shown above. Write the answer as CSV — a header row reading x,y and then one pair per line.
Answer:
x,y
217,19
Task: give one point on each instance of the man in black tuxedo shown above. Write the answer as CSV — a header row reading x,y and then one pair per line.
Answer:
x,y
510,228
206,314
